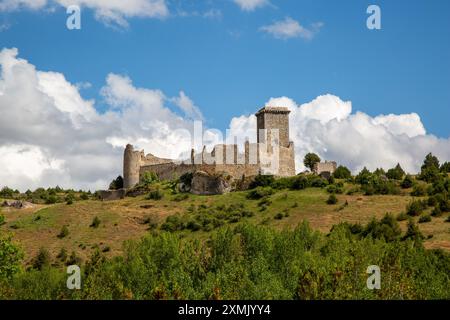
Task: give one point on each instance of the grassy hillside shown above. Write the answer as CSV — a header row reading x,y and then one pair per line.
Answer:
x,y
131,218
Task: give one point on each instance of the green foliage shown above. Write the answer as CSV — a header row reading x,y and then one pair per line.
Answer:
x,y
95,222
62,255
10,258
430,170
363,177
310,160
419,190
148,178
259,192
8,193
64,232
413,233
42,259
70,198
342,173
387,229
332,199
155,194
402,216
396,173
407,182
51,199
2,220
262,181
425,218
445,167
116,184
415,208
252,263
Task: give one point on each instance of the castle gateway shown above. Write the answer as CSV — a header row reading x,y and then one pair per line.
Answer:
x,y
272,154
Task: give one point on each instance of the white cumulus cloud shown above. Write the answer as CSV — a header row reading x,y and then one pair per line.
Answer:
x,y
111,11
328,127
290,28
50,135
250,5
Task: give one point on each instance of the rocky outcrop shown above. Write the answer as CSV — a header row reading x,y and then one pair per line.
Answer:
x,y
207,184
110,195
17,204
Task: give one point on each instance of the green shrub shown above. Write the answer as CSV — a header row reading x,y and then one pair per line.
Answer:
x,y
155,194
419,190
259,193
342,173
2,220
262,181
279,216
116,184
299,182
413,232
407,182
415,208
332,199
148,178
52,199
396,173
387,228
64,232
402,216
436,212
10,258
95,222
425,218
180,197
62,255
42,259
84,196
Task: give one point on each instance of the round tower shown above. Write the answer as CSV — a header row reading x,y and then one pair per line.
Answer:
x,y
131,167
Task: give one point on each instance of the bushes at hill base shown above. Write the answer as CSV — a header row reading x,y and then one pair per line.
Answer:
x,y
252,262
342,173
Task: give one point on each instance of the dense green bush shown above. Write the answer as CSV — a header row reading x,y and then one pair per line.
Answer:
x,y
155,194
332,199
415,208
116,184
396,173
259,192
262,181
425,218
254,262
407,182
2,219
64,232
342,173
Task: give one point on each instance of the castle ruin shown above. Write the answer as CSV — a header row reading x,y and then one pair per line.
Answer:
x,y
272,154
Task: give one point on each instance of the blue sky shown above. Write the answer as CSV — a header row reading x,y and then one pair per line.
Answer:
x,y
228,66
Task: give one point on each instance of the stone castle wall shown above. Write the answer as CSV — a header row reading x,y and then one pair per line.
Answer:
x,y
257,157
327,166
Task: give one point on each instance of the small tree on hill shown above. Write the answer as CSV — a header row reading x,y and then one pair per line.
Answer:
x,y
342,173
396,173
116,184
310,160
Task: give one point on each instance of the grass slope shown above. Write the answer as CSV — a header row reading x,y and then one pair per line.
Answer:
x,y
127,219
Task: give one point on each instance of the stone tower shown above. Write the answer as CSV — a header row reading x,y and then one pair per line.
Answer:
x,y
131,167
270,118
